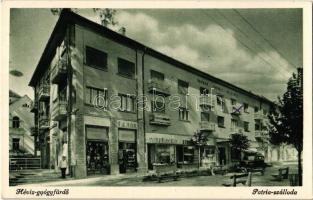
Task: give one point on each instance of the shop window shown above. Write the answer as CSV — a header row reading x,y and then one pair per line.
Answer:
x,y
127,103
158,106
221,121
15,144
157,76
205,116
126,68
246,126
16,122
96,97
96,58
245,107
165,154
183,87
183,114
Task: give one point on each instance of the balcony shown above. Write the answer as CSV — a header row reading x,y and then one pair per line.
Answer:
x,y
59,71
235,130
44,92
160,119
158,87
259,116
206,100
44,123
261,134
34,107
34,131
59,110
207,126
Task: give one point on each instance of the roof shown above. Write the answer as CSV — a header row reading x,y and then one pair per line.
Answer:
x,y
68,17
13,94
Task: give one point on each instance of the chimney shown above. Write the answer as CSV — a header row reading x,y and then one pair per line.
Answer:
x,y
122,31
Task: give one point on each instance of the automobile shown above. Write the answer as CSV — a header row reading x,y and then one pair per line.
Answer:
x,y
253,160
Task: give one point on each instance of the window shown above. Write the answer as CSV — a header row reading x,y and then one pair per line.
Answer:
x,y
220,101
257,125
96,58
16,122
127,103
205,116
158,106
233,102
204,91
182,87
220,121
96,97
234,124
126,68
256,109
264,112
246,126
183,114
246,107
15,144
158,76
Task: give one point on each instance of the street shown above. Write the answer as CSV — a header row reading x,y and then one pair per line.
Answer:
x,y
217,180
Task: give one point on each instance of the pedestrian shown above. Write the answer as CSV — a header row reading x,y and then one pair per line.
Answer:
x,y
63,166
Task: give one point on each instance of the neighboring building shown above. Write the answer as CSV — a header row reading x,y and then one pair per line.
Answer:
x,y
21,140
84,60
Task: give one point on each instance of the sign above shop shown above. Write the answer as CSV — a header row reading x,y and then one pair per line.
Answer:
x,y
157,138
126,124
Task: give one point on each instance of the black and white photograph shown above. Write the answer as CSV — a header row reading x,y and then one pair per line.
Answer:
x,y
157,97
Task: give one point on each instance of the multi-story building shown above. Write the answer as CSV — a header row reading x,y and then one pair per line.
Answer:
x,y
113,105
21,132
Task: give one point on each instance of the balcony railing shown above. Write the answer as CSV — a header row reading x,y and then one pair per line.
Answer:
x,y
160,119
59,71
235,130
44,92
261,134
44,122
34,107
259,115
158,87
207,100
59,110
207,126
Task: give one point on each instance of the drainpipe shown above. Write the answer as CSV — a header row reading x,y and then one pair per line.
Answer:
x,y
143,92
69,107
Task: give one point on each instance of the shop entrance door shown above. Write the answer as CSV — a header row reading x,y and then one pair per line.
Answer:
x,y
97,157
127,157
222,155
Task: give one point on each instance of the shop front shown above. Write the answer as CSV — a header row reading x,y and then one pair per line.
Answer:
x,y
127,152
97,150
170,150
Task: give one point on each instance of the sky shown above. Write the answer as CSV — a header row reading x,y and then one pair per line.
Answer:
x,y
255,49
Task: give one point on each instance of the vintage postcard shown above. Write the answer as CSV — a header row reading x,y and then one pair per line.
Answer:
x,y
156,100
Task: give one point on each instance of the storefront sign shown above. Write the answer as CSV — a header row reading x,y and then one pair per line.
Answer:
x,y
157,138
126,124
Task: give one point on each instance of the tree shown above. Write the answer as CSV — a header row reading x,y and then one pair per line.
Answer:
x,y
239,143
199,139
286,119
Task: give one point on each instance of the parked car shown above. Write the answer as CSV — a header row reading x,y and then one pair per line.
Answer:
x,y
253,160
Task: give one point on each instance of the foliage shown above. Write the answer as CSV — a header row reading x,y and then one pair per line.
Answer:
x,y
199,138
239,142
286,120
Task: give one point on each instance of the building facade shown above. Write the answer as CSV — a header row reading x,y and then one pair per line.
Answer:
x,y
21,138
112,105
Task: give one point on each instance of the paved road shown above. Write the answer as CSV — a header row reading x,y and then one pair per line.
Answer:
x,y
218,180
